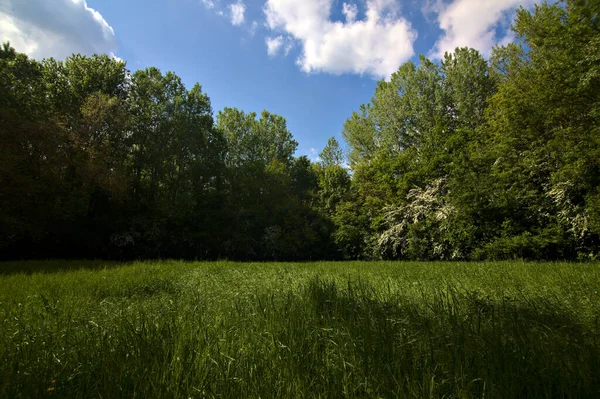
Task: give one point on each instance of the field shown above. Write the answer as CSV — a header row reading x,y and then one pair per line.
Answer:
x,y
247,330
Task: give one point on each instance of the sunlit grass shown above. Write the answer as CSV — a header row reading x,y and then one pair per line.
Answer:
x,y
359,329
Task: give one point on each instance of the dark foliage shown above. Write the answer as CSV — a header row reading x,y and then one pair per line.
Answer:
x,y
462,159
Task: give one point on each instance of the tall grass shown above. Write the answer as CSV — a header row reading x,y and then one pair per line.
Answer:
x,y
176,329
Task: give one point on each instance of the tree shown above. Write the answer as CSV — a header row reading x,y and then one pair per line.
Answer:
x,y
176,166
543,124
417,130
332,154
265,213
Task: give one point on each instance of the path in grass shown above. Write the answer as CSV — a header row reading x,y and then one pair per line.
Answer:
x,y
359,329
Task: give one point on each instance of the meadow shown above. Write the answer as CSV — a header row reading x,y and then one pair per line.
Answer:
x,y
175,329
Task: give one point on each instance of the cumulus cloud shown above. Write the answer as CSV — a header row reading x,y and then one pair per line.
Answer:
x,y
432,7
350,11
253,28
273,45
288,46
208,3
376,45
314,155
59,28
237,11
472,23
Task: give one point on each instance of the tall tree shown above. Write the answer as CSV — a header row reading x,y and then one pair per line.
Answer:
x,y
544,132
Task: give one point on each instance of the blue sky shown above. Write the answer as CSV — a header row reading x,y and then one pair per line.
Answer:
x,y
311,61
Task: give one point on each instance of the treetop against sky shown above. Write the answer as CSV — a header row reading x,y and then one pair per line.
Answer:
x,y
312,61
466,157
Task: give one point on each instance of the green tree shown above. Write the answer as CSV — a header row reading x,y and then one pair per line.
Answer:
x,y
543,126
176,166
261,173
417,130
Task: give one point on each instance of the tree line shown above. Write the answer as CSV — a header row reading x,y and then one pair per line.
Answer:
x,y
465,158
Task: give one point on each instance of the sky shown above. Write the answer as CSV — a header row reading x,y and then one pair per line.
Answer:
x,y
312,61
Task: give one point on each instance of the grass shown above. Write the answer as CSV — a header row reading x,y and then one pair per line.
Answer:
x,y
360,329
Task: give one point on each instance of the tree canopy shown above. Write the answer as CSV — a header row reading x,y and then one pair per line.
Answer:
x,y
465,158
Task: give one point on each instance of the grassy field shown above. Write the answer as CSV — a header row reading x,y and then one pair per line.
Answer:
x,y
328,330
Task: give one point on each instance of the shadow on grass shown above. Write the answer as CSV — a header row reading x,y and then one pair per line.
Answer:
x,y
143,338
457,344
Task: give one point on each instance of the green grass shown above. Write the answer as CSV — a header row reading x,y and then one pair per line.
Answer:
x,y
328,330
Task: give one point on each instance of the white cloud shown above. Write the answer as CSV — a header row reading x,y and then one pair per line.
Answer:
x,y
350,11
208,3
377,45
472,23
237,12
273,45
114,57
314,155
59,28
288,46
432,7
253,28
